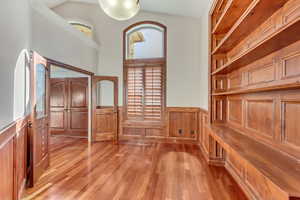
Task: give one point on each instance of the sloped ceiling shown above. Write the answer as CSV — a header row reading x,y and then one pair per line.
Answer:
x,y
189,8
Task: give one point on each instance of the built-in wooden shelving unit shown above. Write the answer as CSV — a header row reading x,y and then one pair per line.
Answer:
x,y
278,39
257,13
253,128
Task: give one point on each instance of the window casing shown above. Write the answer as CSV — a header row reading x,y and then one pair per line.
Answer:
x,y
144,77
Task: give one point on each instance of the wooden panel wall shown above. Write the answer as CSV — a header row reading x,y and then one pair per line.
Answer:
x,y
269,117
13,160
255,95
181,124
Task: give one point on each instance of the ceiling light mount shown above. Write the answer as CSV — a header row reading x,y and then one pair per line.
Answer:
x,y
120,9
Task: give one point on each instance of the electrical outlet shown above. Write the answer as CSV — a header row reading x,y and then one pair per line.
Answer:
x,y
180,131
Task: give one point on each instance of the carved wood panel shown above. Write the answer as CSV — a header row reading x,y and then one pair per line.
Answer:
x,y
235,110
183,124
21,158
7,170
219,109
290,123
260,117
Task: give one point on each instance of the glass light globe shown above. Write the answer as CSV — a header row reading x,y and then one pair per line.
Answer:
x,y
120,9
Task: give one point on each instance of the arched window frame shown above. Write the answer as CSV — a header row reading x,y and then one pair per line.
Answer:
x,y
83,24
145,61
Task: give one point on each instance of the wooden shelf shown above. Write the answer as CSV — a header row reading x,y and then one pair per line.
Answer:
x,y
283,37
263,9
255,89
282,170
233,10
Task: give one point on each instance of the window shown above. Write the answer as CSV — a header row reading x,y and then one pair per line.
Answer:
x,y
144,71
84,28
145,41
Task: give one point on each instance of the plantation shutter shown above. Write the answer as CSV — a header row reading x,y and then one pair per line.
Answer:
x,y
145,92
153,93
135,93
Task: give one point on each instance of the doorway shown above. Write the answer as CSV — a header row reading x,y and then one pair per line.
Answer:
x,y
70,101
105,108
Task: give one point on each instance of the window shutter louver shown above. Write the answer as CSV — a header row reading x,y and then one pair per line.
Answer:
x,y
135,93
153,93
145,92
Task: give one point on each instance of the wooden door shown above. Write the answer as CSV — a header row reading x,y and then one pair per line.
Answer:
x,y
78,106
69,106
105,118
39,119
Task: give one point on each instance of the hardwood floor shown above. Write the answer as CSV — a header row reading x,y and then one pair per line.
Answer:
x,y
131,172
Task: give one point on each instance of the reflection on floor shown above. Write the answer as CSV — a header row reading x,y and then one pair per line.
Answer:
x,y
131,172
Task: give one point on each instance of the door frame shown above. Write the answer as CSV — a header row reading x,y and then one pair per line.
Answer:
x,y
90,79
115,81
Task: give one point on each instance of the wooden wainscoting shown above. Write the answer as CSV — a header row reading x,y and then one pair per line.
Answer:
x,y
13,159
181,124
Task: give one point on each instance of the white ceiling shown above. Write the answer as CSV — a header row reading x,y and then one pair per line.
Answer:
x,y
190,8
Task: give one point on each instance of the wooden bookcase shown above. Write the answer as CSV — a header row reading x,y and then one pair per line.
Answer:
x,y
254,114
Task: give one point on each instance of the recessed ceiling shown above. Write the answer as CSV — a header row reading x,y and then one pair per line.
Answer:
x,y
189,8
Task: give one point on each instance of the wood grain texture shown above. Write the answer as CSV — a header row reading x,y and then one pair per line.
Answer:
x,y
254,95
7,170
150,171
13,159
278,172
38,130
105,119
69,102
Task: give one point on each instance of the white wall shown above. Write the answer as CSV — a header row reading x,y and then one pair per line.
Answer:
x,y
15,37
204,58
58,72
55,39
26,25
186,85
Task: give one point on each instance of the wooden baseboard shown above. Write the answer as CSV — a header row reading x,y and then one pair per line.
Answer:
x,y
135,140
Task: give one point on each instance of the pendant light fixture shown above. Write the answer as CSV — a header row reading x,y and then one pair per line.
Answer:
x,y
120,9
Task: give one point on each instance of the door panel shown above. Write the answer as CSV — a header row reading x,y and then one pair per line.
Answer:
x,y
78,106
78,93
58,106
105,124
39,119
69,106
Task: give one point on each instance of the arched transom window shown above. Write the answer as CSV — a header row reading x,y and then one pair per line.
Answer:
x,y
145,41
145,71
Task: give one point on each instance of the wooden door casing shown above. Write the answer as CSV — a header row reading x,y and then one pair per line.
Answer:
x,y
105,119
69,106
